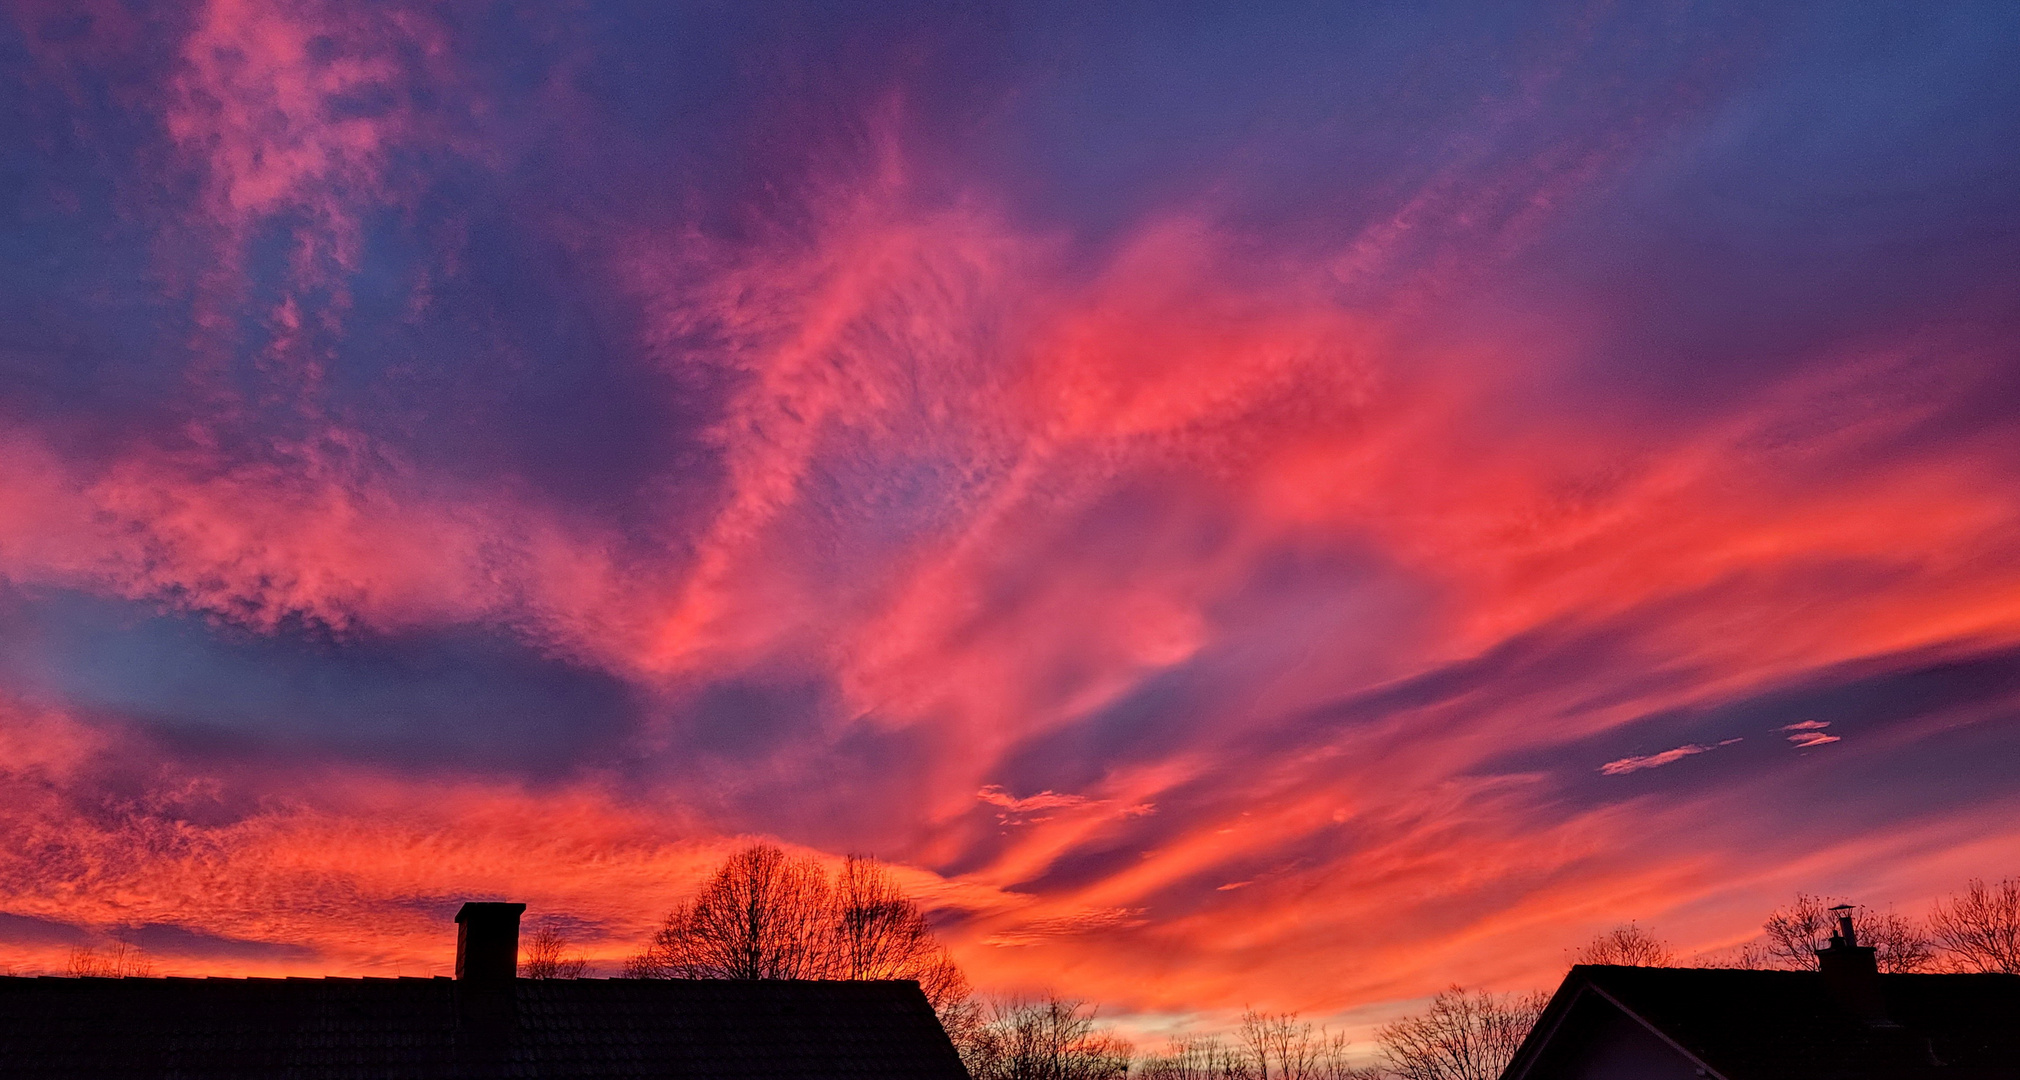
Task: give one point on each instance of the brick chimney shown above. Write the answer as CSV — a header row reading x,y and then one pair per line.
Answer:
x,y
487,941
1852,972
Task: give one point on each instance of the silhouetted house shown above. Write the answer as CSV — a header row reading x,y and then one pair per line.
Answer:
x,y
1843,1022
483,1023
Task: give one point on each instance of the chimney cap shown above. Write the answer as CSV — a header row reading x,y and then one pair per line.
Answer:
x,y
481,908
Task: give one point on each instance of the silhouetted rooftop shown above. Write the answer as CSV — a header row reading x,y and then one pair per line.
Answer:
x,y
312,1029
1785,1025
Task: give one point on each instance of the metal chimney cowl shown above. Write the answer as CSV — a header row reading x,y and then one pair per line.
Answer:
x,y
487,941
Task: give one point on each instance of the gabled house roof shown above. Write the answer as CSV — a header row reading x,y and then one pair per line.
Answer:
x,y
323,1029
1785,1025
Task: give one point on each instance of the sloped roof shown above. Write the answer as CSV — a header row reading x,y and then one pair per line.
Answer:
x,y
1755,1025
323,1029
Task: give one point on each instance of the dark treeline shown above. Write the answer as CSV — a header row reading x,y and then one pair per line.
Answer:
x,y
766,915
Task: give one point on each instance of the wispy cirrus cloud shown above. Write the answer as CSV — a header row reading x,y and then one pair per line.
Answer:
x,y
1061,926
1809,733
1620,766
1043,806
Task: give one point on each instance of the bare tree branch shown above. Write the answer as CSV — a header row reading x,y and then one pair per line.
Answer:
x,y
1795,933
763,916
1209,1058
1052,1039
544,959
1463,1036
767,916
1980,930
119,962
1628,946
1900,944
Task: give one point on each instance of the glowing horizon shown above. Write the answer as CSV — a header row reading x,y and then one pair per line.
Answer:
x,y
1239,507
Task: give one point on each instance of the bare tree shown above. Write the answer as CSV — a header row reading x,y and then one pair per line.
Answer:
x,y
1276,1045
946,989
1900,944
1266,1037
1208,1058
880,933
1627,946
1329,1059
763,916
1795,933
1052,1039
1280,1046
544,959
766,916
119,962
1463,1036
1980,930
1750,956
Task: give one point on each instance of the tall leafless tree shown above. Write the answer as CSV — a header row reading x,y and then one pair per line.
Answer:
x,y
545,957
1628,946
1462,1036
880,933
878,930
762,916
1050,1039
1980,930
1266,1037
1795,933
1280,1046
765,915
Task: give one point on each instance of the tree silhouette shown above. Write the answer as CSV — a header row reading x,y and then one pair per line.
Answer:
x,y
1628,946
1981,929
765,915
544,959
1796,931
1207,1058
762,916
1282,1047
880,933
119,962
1049,1039
1462,1036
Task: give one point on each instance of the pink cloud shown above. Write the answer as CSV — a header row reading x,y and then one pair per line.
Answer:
x,y
1809,733
1043,806
1631,764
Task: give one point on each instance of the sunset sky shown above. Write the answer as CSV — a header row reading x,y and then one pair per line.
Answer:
x,y
1277,505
